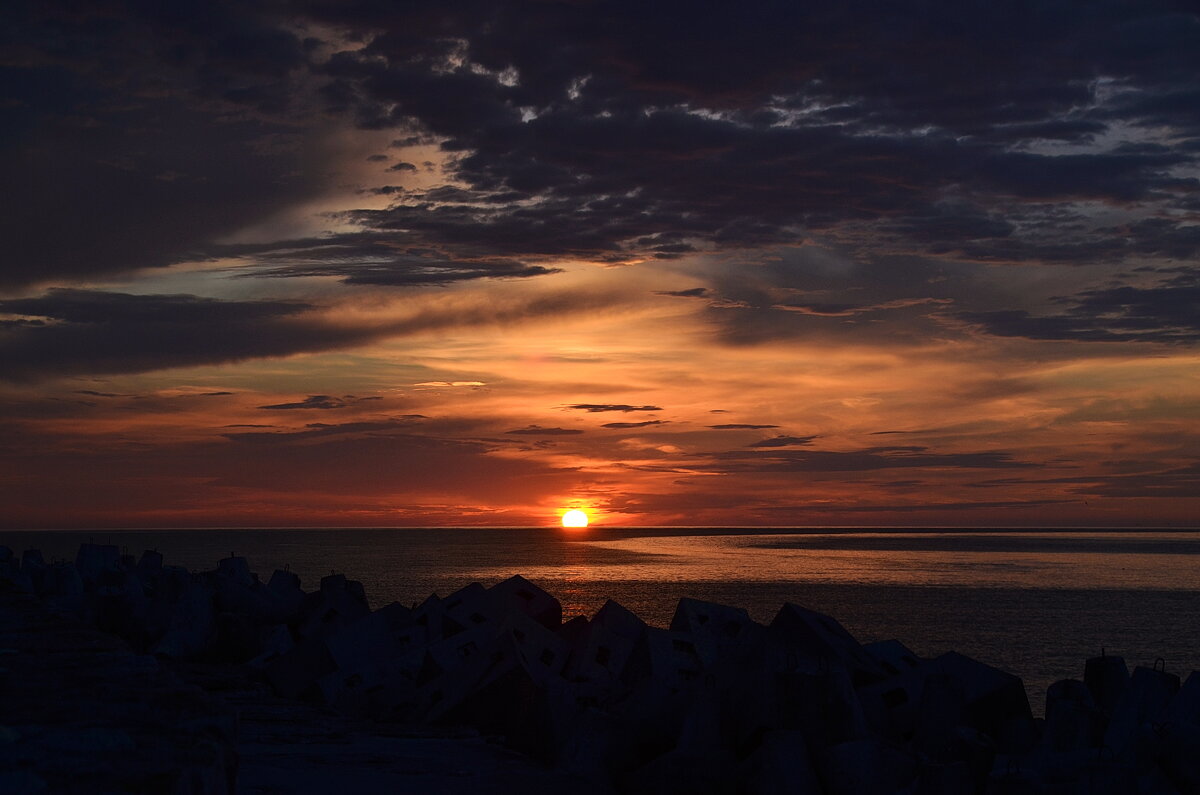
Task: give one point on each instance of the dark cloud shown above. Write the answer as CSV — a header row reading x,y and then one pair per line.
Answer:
x,y
838,120
738,426
537,430
1172,486
370,260
865,460
1164,313
95,393
627,425
935,506
601,407
1152,481
783,441
907,141
763,188
311,402
868,302
102,332
135,134
99,332
322,430
853,310
612,131
781,510
830,295
97,307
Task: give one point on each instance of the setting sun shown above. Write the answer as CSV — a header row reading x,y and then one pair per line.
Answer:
x,y
575,518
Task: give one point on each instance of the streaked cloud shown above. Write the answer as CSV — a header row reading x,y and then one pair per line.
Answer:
x,y
342,263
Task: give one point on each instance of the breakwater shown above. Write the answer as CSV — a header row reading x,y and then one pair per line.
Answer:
x,y
715,703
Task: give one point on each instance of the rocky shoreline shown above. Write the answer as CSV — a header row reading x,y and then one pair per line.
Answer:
x,y
144,677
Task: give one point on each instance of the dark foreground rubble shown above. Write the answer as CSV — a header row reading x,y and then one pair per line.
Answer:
x,y
81,713
715,703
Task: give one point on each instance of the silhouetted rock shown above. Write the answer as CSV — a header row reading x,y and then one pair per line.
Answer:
x,y
295,673
274,642
601,651
94,559
191,625
149,565
715,703
1143,703
517,594
1180,737
378,650
893,656
728,630
29,558
1106,677
780,766
1073,721
822,639
236,570
284,592
339,603
891,706
993,702
854,767
84,714
64,587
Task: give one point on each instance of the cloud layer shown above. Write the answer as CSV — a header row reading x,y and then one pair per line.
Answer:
x,y
487,258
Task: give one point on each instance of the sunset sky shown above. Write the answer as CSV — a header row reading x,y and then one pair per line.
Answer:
x,y
428,263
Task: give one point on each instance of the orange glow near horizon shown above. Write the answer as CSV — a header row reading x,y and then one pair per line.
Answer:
x,y
690,431
575,518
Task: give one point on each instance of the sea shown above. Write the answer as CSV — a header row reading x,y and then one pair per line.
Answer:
x,y
1036,603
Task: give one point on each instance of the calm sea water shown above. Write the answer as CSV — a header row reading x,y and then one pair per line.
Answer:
x,y
1034,603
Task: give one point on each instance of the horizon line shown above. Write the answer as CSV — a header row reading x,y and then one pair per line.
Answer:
x,y
592,527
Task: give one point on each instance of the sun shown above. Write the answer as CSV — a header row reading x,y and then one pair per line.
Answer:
x,y
575,518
